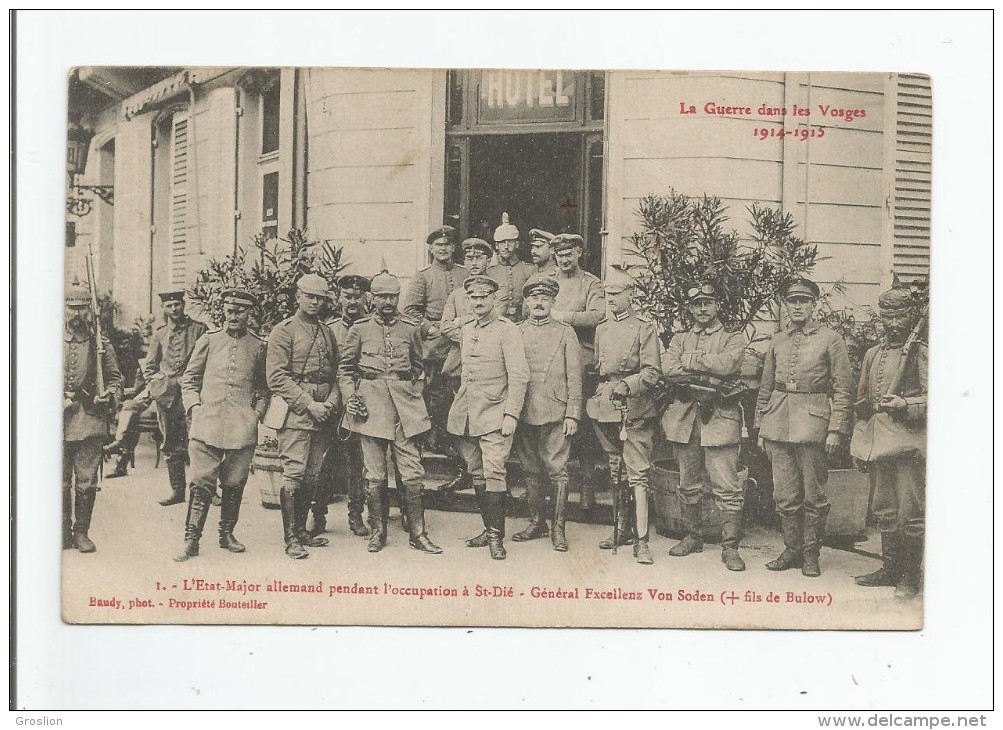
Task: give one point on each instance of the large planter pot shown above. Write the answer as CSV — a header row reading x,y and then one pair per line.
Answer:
x,y
849,493
268,463
668,508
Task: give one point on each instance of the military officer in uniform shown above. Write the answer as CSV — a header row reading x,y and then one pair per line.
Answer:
x,y
705,430
891,439
379,372
424,301
486,410
629,366
540,253
343,464
551,413
301,366
803,412
170,348
85,415
223,390
510,272
581,304
458,310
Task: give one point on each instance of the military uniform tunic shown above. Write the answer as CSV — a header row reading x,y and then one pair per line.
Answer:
x,y
170,349
301,368
425,299
627,350
493,382
895,449
582,304
803,396
712,445
511,278
555,393
224,388
381,361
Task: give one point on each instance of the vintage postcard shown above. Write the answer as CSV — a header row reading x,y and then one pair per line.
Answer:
x,y
474,347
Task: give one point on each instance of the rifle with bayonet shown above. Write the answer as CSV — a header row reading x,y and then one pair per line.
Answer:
x,y
863,408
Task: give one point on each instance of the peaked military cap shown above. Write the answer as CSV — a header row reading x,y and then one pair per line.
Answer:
x,y
480,282
445,232
174,295
313,284
617,280
506,231
478,244
564,241
541,283
77,295
536,234
895,300
801,288
240,296
353,281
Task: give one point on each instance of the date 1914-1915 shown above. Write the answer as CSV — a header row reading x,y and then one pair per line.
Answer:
x,y
802,133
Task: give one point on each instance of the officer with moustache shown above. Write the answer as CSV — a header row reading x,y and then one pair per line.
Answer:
x,y
225,394
85,415
459,310
510,273
890,441
629,366
379,373
705,430
170,348
486,410
540,253
343,465
803,413
301,367
552,411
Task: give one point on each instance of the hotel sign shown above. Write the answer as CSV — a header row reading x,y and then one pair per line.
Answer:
x,y
515,97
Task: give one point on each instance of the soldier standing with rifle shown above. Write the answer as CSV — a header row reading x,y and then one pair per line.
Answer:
x,y
170,348
486,409
301,366
890,441
91,380
552,411
803,412
379,372
223,390
704,425
343,464
622,409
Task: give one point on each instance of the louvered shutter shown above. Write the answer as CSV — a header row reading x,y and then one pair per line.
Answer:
x,y
911,200
179,200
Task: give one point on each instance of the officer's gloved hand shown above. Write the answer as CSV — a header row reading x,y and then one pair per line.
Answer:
x,y
621,391
318,411
357,407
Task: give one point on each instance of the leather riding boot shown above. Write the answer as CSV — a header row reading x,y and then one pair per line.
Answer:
x,y
356,503
228,514
496,523
176,477
792,528
121,468
416,512
692,542
642,553
558,538
537,522
67,517
891,565
911,579
814,531
287,502
587,494
625,530
377,517
303,502
401,500
198,510
480,540
84,510
731,537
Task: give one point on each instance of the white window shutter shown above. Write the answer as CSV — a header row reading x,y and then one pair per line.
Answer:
x,y
911,200
179,200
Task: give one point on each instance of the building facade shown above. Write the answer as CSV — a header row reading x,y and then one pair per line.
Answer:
x,y
204,159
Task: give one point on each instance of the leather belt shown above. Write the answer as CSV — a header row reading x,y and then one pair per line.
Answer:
x,y
385,376
615,377
784,388
314,378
